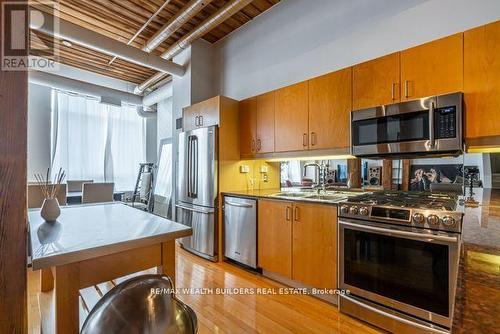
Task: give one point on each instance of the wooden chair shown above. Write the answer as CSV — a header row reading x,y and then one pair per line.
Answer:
x,y
35,196
98,192
77,185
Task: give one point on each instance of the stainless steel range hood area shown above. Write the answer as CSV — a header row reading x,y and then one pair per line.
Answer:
x,y
430,126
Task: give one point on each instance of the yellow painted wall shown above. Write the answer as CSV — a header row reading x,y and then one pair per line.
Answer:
x,y
231,179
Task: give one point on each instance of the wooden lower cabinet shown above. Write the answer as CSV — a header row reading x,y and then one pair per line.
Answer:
x,y
298,241
275,236
314,252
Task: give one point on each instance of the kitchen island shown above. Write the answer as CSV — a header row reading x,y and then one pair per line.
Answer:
x,y
478,287
91,244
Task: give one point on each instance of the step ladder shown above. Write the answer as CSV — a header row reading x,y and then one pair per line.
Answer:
x,y
143,191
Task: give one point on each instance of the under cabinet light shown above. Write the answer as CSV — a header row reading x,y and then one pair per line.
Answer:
x,y
328,157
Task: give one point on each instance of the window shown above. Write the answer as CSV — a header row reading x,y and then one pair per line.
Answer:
x,y
95,141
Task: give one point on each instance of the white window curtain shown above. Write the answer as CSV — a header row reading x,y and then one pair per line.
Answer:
x,y
95,141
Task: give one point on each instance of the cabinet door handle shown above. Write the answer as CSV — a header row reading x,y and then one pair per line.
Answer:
x,y
304,139
393,91
296,214
253,145
407,94
313,138
287,213
259,145
201,120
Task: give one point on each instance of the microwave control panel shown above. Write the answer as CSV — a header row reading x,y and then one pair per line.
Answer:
x,y
445,122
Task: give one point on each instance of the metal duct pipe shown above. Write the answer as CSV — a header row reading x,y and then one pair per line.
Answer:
x,y
158,95
178,20
77,86
145,105
146,112
149,81
151,18
73,33
215,19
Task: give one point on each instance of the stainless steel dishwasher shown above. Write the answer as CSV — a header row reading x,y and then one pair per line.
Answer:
x,y
240,230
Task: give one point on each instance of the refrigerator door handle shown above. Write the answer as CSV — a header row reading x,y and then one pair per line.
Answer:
x,y
195,169
199,210
188,169
188,178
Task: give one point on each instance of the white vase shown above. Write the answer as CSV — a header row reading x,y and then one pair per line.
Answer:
x,y
50,209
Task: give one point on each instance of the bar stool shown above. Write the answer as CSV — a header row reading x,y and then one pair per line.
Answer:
x,y
143,304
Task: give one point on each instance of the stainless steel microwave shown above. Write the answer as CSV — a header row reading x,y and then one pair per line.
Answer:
x,y
427,126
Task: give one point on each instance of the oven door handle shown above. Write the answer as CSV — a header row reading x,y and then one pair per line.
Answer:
x,y
428,238
393,317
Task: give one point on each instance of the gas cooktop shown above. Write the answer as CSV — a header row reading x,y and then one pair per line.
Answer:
x,y
436,211
430,201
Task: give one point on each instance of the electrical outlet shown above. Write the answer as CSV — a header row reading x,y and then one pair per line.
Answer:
x,y
265,178
244,169
263,169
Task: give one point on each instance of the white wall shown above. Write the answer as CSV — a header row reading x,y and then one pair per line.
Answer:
x,y
301,39
38,130
164,120
151,139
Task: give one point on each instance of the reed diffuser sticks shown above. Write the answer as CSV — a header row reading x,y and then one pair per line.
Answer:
x,y
50,189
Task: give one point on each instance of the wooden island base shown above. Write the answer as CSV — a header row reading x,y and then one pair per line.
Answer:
x,y
68,292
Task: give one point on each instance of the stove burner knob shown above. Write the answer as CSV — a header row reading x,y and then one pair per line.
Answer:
x,y
353,210
344,209
418,218
433,219
363,211
448,221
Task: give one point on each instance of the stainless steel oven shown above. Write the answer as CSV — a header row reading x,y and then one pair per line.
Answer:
x,y
400,278
431,125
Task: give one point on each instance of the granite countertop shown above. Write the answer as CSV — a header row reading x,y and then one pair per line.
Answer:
x,y
477,302
253,192
336,196
86,231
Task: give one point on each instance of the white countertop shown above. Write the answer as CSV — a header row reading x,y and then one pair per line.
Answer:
x,y
86,231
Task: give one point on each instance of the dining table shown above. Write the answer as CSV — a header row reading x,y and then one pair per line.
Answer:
x,y
94,243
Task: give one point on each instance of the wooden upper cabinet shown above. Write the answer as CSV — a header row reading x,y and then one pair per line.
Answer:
x,y
265,123
482,82
433,68
248,124
329,110
291,118
201,114
275,237
314,245
376,82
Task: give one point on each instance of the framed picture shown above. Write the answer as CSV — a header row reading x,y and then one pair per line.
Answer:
x,y
422,176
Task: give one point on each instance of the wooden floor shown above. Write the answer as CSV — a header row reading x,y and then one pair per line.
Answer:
x,y
239,313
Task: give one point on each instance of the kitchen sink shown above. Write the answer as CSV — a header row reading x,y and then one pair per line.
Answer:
x,y
326,197
330,196
291,194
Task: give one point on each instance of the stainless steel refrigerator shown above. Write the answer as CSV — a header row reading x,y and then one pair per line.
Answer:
x,y
197,190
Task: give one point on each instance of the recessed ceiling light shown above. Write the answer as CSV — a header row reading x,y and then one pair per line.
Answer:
x,y
67,43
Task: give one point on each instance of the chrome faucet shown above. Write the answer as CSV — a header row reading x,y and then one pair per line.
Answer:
x,y
320,174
